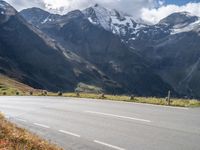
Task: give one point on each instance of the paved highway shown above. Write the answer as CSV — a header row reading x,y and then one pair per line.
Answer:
x,y
84,124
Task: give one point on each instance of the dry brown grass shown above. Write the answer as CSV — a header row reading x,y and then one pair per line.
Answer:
x,y
15,138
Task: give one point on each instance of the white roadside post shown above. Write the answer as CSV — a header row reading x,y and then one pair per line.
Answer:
x,y
168,98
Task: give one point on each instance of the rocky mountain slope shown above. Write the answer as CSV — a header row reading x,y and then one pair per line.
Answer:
x,y
32,57
171,47
143,59
104,49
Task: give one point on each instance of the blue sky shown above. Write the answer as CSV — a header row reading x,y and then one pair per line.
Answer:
x,y
180,2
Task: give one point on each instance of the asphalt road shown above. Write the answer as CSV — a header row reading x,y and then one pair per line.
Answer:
x,y
83,124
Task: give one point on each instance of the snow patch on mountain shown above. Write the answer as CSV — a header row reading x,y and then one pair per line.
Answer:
x,y
114,21
187,28
129,30
99,16
119,23
2,8
47,19
106,18
90,19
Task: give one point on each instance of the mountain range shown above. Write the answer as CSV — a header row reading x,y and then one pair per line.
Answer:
x,y
101,47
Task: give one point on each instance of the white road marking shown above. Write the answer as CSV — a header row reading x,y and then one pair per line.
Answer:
x,y
173,107
161,106
22,120
69,133
118,116
134,103
109,145
6,106
41,125
154,105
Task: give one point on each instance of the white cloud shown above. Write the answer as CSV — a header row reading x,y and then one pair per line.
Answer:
x,y
129,6
156,14
21,4
132,7
149,10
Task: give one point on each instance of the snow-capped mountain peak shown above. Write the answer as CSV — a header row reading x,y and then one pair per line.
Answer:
x,y
99,16
181,22
118,23
111,20
194,26
179,18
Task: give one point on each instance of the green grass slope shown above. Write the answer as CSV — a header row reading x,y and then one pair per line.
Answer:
x,y
10,87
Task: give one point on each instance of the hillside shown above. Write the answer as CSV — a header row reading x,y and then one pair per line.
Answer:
x,y
145,59
33,58
103,49
11,87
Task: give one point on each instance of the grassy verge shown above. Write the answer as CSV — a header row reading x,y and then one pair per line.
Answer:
x,y
15,138
148,100
11,87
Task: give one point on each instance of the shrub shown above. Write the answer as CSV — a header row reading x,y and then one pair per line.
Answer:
x,y
102,96
77,94
17,93
44,93
31,93
60,93
132,97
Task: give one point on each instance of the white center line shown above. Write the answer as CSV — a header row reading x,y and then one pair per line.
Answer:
x,y
41,125
109,145
22,120
69,133
118,116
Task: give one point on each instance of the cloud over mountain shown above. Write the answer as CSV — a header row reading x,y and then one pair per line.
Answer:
x,y
156,14
62,6
149,10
